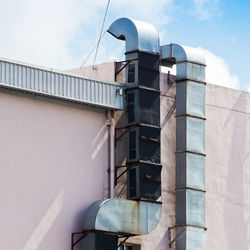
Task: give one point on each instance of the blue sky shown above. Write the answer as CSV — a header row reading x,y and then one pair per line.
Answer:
x,y
61,33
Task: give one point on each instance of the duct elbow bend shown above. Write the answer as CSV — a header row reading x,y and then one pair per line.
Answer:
x,y
182,53
190,62
138,35
122,216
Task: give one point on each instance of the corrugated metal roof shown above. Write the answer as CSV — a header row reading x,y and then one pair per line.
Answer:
x,y
52,83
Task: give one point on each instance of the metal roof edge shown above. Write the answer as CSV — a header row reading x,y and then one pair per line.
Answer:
x,y
63,72
23,77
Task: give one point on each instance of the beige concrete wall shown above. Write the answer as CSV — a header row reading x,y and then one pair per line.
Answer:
x,y
105,71
54,162
227,169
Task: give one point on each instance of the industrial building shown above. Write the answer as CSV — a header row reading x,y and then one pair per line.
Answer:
x,y
122,155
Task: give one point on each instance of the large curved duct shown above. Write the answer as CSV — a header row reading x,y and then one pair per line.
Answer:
x,y
138,35
182,53
126,216
190,144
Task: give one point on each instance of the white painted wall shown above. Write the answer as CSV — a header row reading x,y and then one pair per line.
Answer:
x,y
53,166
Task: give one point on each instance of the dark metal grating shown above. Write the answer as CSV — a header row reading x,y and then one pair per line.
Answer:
x,y
132,145
130,107
131,72
143,112
144,181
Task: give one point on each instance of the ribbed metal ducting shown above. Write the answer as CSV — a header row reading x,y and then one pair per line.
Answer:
x,y
51,83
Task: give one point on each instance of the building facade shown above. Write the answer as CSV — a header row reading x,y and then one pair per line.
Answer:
x,y
56,138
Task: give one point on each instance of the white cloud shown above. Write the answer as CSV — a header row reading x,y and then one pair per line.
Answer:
x,y
60,33
218,71
40,31
205,8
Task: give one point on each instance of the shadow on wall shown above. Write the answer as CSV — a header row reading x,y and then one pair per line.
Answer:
x,y
98,145
99,141
46,223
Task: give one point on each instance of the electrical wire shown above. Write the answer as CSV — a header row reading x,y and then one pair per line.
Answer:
x,y
100,37
91,52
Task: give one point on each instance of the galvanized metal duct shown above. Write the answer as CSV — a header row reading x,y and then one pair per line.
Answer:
x,y
190,144
142,214
142,110
138,35
122,216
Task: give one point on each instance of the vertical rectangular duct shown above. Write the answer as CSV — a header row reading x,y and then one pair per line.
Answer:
x,y
143,107
143,113
143,182
190,145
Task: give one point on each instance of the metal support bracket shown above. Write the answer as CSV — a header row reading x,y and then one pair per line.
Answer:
x,y
83,234
127,128
125,65
123,241
123,172
177,236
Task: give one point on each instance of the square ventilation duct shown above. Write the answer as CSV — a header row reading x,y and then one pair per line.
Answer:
x,y
144,181
143,106
143,70
144,144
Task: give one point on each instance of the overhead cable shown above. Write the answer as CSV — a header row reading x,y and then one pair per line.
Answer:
x,y
100,36
91,52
